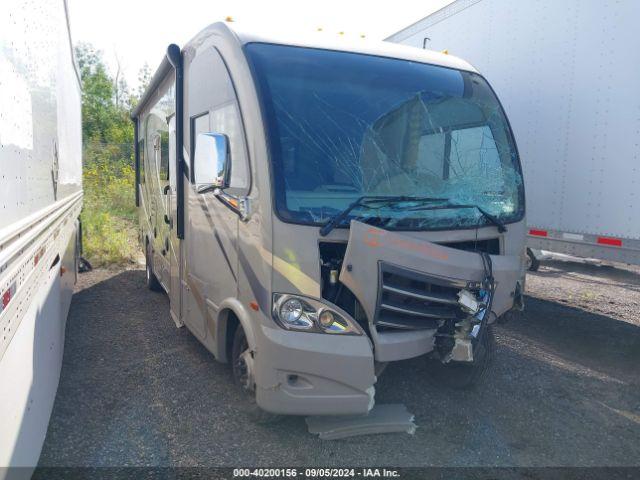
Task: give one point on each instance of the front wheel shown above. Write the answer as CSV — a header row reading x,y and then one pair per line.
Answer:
x,y
464,375
242,366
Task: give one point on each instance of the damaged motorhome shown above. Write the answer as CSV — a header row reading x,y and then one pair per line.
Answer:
x,y
315,208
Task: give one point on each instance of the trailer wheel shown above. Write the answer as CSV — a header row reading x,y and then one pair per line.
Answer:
x,y
242,365
463,375
533,264
152,281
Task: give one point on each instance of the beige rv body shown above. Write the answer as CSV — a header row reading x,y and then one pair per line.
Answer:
x,y
237,253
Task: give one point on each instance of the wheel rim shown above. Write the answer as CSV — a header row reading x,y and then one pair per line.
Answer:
x,y
244,367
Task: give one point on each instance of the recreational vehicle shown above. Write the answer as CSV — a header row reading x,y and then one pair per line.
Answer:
x,y
317,207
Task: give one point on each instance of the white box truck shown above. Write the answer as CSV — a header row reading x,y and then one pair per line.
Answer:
x,y
567,74
40,200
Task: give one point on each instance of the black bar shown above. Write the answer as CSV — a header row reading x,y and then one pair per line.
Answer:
x,y
175,58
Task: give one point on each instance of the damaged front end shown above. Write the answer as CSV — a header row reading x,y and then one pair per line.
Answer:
x,y
420,297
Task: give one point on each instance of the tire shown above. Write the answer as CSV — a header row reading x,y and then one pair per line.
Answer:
x,y
246,386
533,264
84,265
152,281
464,375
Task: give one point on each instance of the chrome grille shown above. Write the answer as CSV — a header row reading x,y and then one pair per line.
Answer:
x,y
410,300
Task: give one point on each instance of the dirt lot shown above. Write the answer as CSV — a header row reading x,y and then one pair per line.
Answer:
x,y
564,389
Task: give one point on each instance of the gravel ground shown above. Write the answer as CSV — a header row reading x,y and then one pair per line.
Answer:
x,y
563,391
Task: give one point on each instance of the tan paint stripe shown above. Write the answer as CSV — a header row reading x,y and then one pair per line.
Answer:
x,y
200,302
294,275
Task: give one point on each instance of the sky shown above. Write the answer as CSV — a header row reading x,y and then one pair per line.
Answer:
x,y
132,32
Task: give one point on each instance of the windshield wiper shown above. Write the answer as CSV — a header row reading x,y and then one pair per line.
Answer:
x,y
492,218
366,201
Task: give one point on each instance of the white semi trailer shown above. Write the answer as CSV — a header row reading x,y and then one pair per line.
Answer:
x,y
40,200
567,74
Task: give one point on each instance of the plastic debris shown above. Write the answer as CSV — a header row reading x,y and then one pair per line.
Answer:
x,y
392,418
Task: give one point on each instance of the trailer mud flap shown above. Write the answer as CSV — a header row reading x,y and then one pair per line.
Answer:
x,y
408,286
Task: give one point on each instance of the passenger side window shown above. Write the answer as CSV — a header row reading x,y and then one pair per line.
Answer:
x,y
141,161
199,124
213,107
164,155
226,120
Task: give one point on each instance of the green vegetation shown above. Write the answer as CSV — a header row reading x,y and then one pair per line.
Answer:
x,y
109,214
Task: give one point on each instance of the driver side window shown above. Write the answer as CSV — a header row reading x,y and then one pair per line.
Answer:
x,y
213,108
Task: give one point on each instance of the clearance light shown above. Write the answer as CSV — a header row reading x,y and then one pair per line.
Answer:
x,y
612,242
446,52
228,19
319,29
538,233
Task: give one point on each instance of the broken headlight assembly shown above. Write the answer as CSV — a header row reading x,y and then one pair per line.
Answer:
x,y
303,314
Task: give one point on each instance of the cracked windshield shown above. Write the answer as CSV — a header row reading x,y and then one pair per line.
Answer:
x,y
342,126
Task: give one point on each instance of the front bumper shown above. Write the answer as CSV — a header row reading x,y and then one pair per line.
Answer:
x,y
300,373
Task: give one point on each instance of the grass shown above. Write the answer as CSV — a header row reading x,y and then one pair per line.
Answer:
x,y
109,215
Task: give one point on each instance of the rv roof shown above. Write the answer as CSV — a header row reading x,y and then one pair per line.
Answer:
x,y
334,41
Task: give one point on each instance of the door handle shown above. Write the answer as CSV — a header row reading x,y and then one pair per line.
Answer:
x,y
166,189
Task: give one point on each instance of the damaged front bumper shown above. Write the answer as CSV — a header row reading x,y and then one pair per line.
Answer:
x,y
424,291
314,374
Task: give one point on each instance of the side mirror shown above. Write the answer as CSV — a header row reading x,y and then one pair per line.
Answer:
x,y
211,162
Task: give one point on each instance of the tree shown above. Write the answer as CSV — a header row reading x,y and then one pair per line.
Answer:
x,y
144,78
107,130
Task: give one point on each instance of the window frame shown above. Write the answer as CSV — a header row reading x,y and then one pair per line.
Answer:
x,y
235,101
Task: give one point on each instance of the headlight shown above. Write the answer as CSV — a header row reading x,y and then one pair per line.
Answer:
x,y
294,312
291,311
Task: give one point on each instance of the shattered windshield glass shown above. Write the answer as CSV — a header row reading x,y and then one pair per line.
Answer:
x,y
343,125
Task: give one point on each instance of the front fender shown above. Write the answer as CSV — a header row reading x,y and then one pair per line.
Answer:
x,y
228,306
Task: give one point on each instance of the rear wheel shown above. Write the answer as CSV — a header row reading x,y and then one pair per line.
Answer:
x,y
463,375
242,365
152,281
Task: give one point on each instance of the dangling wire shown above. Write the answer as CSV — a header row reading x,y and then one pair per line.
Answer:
x,y
488,289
